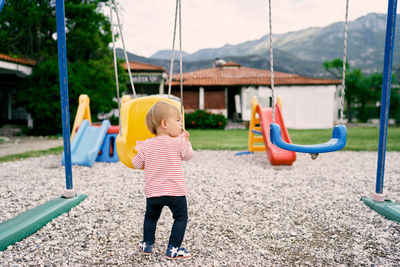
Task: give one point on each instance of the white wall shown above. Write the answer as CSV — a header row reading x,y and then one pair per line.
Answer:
x,y
263,94
304,107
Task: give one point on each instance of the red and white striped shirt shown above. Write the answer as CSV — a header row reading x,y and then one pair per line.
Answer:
x,y
161,157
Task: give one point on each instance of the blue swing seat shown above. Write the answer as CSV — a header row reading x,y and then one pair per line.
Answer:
x,y
337,142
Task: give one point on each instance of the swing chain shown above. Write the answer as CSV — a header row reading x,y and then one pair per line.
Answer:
x,y
115,64
112,3
171,72
171,68
343,85
180,57
125,53
271,62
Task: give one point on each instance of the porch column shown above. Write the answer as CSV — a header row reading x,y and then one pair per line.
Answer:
x,y
201,98
161,90
9,108
226,101
30,121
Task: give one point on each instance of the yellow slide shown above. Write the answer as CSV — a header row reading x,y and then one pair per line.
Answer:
x,y
83,113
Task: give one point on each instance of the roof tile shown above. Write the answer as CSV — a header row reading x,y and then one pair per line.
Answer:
x,y
135,65
245,76
19,60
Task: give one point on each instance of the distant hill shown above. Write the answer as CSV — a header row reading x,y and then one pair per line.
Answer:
x,y
166,54
282,62
301,52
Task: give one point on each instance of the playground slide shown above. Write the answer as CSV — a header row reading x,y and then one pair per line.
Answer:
x,y
83,113
87,143
276,155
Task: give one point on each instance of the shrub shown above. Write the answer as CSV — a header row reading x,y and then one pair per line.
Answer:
x,y
200,119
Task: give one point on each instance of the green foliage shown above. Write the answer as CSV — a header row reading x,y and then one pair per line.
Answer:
x,y
335,67
200,119
88,30
27,29
394,111
363,92
114,120
41,97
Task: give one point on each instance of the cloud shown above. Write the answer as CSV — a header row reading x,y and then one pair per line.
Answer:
x,y
148,25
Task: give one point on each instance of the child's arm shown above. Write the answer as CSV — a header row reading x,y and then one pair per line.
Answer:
x,y
138,160
185,146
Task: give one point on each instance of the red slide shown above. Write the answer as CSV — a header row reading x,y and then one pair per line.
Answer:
x,y
276,155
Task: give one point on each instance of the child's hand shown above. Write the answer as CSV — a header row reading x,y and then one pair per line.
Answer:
x,y
187,134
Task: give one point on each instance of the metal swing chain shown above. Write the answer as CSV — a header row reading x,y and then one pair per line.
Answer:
x,y
112,3
171,68
342,89
125,53
115,66
180,57
177,10
271,62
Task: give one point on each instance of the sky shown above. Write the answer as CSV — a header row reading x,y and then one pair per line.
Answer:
x,y
147,25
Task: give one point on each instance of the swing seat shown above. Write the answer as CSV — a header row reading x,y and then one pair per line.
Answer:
x,y
133,125
337,142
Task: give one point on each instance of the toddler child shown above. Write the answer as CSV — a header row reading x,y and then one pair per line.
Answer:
x,y
161,157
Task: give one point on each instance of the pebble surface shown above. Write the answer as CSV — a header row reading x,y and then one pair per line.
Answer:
x,y
242,212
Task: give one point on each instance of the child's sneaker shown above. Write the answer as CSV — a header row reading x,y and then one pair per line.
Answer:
x,y
176,253
146,247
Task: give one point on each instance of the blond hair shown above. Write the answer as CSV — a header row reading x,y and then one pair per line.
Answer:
x,y
158,112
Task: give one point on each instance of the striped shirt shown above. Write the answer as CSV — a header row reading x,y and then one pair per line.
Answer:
x,y
161,157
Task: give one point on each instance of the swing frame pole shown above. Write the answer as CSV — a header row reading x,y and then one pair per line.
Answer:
x,y
385,99
69,190
378,202
27,223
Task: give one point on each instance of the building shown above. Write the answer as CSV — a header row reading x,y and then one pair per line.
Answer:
x,y
228,87
148,79
12,72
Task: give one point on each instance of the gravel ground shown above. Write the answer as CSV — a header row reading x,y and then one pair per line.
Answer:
x,y
242,212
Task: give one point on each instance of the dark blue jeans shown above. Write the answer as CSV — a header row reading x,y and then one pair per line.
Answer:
x,y
154,206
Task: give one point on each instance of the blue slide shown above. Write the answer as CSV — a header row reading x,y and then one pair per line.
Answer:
x,y
87,143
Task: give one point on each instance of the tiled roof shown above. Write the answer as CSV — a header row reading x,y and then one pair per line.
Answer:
x,y
19,60
244,76
135,65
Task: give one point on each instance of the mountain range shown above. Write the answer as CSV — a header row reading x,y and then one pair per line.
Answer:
x,y
302,52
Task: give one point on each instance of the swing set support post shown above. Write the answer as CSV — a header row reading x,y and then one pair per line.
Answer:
x,y
385,99
378,203
27,223
63,76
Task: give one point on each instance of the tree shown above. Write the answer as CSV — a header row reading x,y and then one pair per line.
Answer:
x,y
369,96
27,27
353,79
90,62
395,104
335,68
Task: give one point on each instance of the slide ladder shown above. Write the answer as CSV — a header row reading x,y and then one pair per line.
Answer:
x,y
259,132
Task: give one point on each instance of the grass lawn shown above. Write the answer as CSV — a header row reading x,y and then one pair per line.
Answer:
x,y
30,154
358,138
